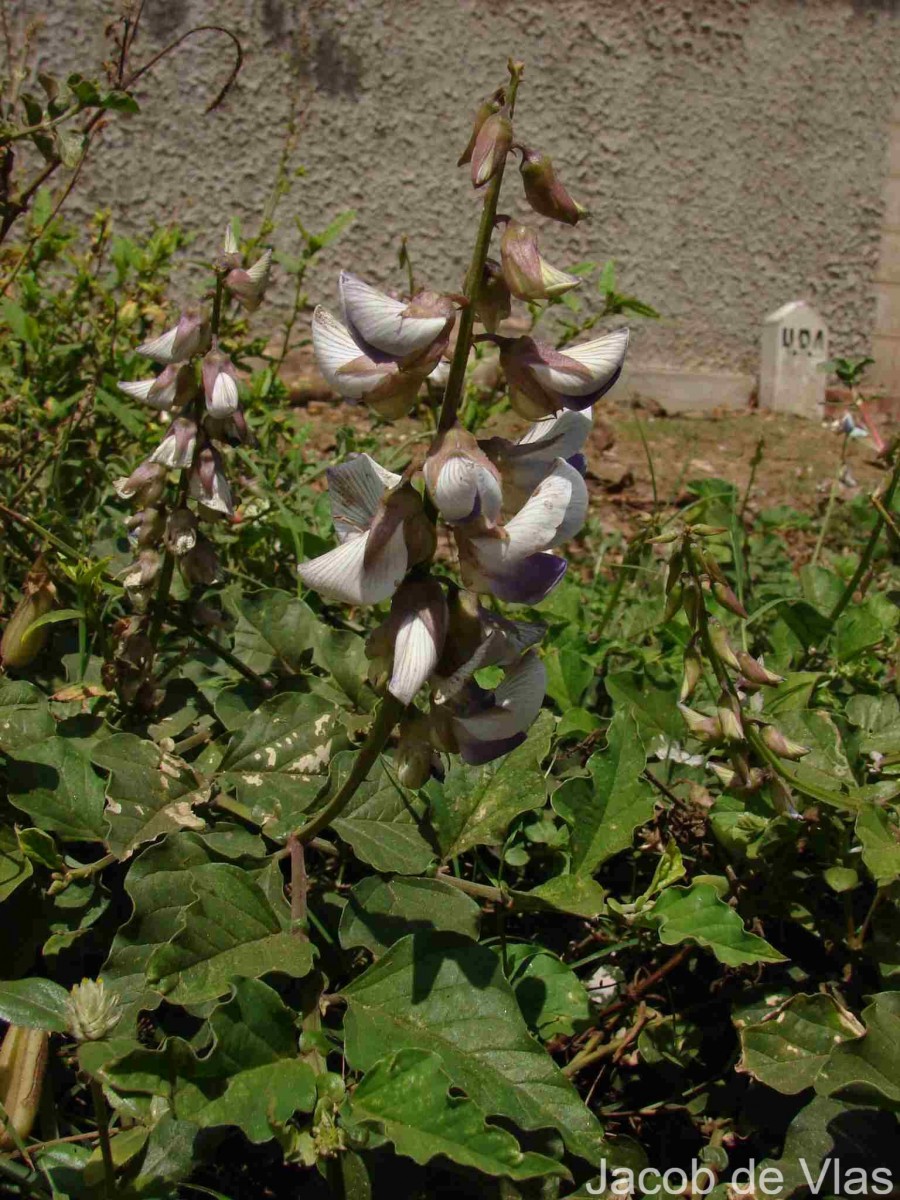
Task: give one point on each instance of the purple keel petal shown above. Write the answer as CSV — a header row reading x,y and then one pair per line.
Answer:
x,y
530,580
579,462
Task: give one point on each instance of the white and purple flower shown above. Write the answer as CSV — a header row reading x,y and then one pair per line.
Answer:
x,y
542,379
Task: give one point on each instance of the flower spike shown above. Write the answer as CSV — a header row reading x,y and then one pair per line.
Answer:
x,y
189,337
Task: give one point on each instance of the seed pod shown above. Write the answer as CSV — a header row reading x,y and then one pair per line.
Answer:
x,y
782,746
23,1061
728,599
704,729
20,644
754,672
722,646
693,670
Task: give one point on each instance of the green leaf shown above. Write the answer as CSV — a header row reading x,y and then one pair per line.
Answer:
x,y
475,805
252,1078
55,616
159,884
334,229
384,823
24,716
788,1048
407,1098
343,655
125,414
857,629
880,844
651,701
274,630
380,911
577,720
231,931
551,997
15,866
55,784
569,673
447,995
698,914
276,760
149,792
867,1070
34,1003
22,325
878,720
578,894
604,811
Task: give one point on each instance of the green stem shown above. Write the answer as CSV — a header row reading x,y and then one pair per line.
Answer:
x,y
457,378
102,1118
631,555
94,868
829,508
386,718
866,560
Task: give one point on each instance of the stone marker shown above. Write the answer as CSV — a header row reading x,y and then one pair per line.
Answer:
x,y
794,344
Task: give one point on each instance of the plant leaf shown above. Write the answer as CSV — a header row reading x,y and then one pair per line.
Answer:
x,y
56,785
380,911
788,1048
604,811
475,805
230,931
867,1070
34,1003
880,845
24,716
149,792
448,995
407,1098
384,823
697,913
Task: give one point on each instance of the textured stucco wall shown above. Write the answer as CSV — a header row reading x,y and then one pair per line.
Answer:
x,y
732,151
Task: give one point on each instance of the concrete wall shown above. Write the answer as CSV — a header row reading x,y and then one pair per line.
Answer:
x,y
734,152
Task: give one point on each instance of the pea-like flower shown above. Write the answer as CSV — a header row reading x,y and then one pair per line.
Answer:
x,y
524,464
220,385
543,380
528,275
482,725
207,483
511,561
249,286
544,192
189,337
172,388
382,530
461,480
176,450
412,637
402,329
492,144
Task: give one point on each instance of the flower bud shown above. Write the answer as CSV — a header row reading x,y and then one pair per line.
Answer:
x,y
146,527
181,532
485,110
177,448
414,755
725,774
492,304
728,599
461,480
200,564
20,644
674,600
729,723
143,571
527,274
783,799
722,646
219,384
545,193
93,1012
208,484
492,145
692,602
146,484
189,337
249,287
704,729
754,672
693,671
782,746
